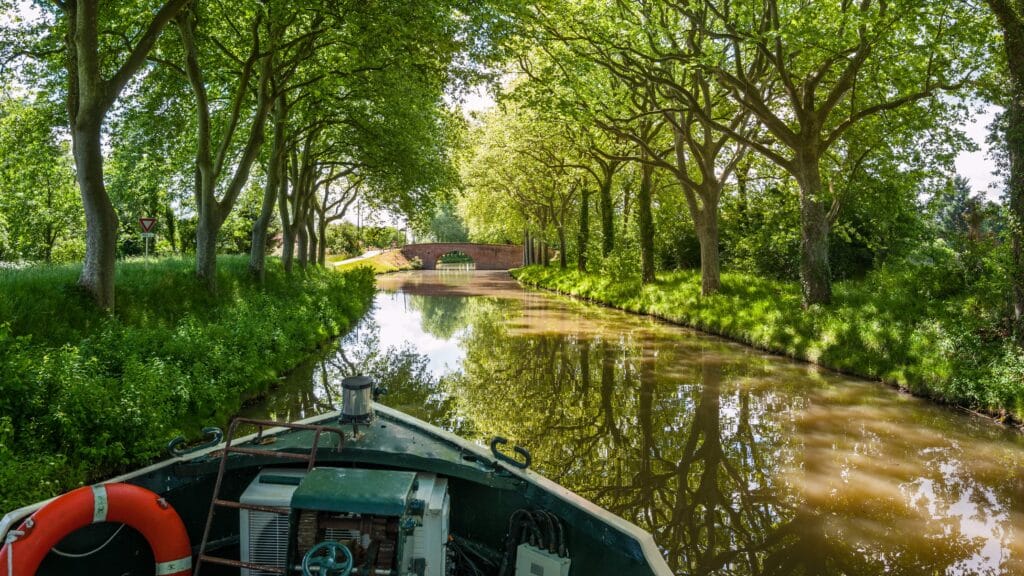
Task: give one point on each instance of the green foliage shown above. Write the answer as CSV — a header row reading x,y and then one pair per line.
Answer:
x,y
623,263
446,226
98,394
40,209
455,257
761,232
922,322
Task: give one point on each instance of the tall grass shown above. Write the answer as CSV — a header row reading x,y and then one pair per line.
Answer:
x,y
85,393
908,326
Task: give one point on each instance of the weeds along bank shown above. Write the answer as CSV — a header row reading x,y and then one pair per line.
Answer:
x,y
911,327
85,394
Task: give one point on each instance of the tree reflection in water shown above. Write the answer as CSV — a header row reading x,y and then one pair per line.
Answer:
x,y
738,462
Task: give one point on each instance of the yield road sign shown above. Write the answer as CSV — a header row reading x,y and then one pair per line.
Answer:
x,y
147,224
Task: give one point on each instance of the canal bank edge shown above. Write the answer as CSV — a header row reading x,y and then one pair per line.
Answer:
x,y
926,372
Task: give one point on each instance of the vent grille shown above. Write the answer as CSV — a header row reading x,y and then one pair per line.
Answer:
x,y
340,535
268,541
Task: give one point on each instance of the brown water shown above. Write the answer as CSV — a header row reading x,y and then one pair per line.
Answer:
x,y
737,461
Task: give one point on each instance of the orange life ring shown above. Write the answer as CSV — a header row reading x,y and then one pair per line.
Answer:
x,y
125,503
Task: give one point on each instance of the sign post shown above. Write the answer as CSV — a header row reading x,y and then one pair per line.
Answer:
x,y
147,224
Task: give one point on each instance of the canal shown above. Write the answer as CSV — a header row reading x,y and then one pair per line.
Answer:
x,y
738,462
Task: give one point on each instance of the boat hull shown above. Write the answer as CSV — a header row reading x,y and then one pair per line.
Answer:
x,y
485,492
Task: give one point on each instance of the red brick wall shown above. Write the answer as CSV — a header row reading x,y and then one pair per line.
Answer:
x,y
486,256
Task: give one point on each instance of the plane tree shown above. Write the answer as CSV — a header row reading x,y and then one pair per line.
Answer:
x,y
88,52
835,65
650,55
568,90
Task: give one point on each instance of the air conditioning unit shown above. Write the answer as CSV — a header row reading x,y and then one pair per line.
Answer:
x,y
263,536
402,518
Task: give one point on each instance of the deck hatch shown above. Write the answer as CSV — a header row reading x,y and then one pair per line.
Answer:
x,y
357,491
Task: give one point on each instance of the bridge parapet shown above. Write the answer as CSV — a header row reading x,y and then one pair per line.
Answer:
x,y
485,256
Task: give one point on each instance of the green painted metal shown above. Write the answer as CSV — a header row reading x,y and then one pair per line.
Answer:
x,y
484,494
377,492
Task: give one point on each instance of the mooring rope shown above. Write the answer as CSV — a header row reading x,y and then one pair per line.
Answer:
x,y
12,537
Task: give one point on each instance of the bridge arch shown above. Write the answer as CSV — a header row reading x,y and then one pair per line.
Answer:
x,y
486,256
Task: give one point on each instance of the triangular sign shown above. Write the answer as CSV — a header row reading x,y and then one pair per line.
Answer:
x,y
147,224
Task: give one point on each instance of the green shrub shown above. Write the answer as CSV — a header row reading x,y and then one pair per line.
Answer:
x,y
99,393
455,257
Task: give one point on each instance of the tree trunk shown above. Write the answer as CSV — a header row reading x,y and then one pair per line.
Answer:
x,y
646,225
258,250
526,248
287,230
815,275
313,239
207,229
303,244
707,233
172,229
100,219
607,218
321,257
562,262
583,238
287,248
275,173
1013,43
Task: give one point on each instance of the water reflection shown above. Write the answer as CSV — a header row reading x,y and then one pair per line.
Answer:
x,y
737,462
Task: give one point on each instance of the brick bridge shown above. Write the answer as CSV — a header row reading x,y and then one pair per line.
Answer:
x,y
485,256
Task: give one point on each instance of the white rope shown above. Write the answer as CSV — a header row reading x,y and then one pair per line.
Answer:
x,y
12,537
90,552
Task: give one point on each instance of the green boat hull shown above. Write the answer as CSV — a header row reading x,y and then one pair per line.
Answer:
x,y
484,494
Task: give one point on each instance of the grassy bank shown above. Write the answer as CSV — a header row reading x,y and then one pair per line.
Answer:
x,y
389,261
904,327
85,394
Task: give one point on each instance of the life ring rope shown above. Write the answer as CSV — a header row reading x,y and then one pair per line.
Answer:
x,y
128,504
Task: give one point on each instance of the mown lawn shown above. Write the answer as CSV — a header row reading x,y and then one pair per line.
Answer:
x,y
389,261
85,394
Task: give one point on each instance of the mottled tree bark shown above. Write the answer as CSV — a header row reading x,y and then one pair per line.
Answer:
x,y
815,273
646,217
562,258
100,219
707,234
607,218
275,174
172,228
583,237
313,239
321,255
302,246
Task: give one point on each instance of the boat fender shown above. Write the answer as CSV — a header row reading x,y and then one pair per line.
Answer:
x,y
128,504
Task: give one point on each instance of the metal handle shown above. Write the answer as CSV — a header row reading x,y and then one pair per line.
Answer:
x,y
527,459
215,434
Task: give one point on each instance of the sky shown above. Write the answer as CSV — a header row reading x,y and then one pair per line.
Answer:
x,y
976,166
